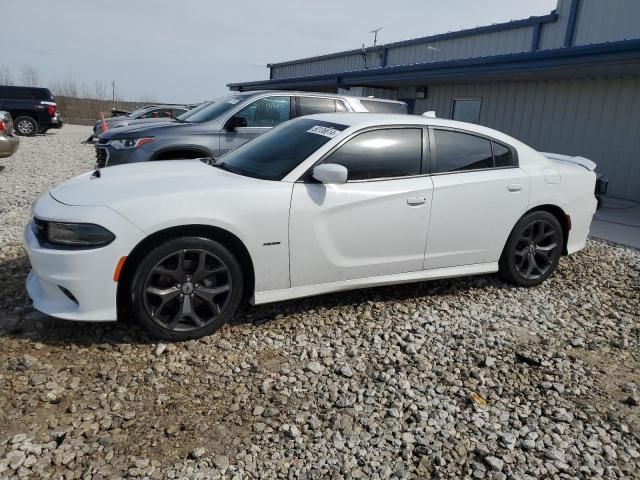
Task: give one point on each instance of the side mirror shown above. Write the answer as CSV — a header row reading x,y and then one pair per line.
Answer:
x,y
331,173
235,122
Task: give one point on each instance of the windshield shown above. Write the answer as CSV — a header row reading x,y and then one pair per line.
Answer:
x,y
273,155
217,108
138,111
188,113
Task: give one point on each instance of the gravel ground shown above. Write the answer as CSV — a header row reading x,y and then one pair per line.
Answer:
x,y
465,378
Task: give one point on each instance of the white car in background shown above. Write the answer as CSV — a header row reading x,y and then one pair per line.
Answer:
x,y
318,204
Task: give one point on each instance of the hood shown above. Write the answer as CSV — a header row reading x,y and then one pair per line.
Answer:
x,y
124,183
152,129
124,122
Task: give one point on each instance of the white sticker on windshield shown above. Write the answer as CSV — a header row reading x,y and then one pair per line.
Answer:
x,y
233,101
324,131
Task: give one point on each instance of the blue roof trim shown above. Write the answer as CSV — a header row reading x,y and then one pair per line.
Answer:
x,y
538,59
498,27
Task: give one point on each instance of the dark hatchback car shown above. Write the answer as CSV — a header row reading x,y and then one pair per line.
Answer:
x,y
33,109
225,125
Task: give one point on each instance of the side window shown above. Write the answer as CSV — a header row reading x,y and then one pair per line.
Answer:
x,y
458,151
267,112
312,105
21,93
502,156
388,153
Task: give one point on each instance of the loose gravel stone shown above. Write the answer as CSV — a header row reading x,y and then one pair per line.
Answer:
x,y
459,378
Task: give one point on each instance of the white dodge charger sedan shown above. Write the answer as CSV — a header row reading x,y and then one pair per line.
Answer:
x,y
319,204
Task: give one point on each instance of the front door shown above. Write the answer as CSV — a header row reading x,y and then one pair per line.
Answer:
x,y
375,224
261,115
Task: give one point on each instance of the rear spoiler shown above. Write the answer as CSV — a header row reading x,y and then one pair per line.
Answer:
x,y
583,162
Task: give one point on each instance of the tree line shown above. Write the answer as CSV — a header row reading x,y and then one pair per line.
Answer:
x,y
78,102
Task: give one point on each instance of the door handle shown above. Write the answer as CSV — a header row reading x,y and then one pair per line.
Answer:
x,y
514,187
416,201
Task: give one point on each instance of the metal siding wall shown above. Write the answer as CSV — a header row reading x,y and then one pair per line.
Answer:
x,y
552,34
595,118
607,21
481,45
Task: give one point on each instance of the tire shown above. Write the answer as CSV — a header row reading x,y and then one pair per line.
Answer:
x,y
533,249
25,126
185,288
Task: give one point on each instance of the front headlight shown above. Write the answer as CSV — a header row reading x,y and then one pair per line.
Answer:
x,y
127,143
80,235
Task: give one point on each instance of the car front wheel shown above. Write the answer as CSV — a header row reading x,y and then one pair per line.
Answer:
x,y
533,249
186,288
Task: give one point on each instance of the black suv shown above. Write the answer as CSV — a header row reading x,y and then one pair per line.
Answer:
x,y
33,109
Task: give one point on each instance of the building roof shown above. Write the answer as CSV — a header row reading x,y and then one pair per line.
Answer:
x,y
566,62
496,27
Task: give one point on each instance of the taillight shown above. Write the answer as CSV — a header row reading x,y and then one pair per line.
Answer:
x,y
51,110
2,126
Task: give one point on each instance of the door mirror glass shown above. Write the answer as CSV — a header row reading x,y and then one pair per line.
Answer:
x,y
235,122
331,173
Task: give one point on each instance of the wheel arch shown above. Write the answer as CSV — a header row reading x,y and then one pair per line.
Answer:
x,y
226,238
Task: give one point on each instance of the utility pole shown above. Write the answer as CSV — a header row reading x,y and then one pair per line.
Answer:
x,y
113,92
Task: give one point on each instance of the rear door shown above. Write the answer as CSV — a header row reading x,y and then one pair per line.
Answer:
x,y
261,115
479,193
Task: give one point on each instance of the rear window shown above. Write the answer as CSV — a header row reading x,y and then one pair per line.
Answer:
x,y
384,107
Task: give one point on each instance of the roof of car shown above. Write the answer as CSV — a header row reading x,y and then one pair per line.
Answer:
x,y
372,119
365,120
311,94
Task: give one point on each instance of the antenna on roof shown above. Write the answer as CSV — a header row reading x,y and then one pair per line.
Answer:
x,y
375,35
364,56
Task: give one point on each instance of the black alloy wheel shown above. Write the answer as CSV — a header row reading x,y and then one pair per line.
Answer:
x,y
187,288
533,249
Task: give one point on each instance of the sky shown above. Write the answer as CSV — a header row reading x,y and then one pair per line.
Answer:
x,y
188,50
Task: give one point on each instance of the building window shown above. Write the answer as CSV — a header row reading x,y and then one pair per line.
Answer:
x,y
466,109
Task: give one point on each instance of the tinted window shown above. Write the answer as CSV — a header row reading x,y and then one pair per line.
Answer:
x,y
460,151
384,107
273,155
312,105
502,156
466,110
267,112
20,93
381,154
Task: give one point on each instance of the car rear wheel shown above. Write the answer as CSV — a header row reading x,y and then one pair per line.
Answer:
x,y
25,126
533,249
186,288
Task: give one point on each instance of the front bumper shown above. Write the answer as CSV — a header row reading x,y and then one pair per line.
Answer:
x,y
8,145
77,284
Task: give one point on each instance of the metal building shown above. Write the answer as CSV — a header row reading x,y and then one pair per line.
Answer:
x,y
566,82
